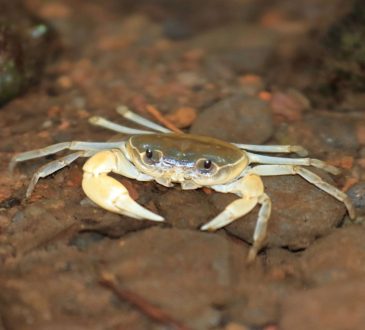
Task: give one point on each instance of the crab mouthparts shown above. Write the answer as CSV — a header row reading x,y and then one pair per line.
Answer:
x,y
179,175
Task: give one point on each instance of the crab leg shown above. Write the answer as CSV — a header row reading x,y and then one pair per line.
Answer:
x,y
251,190
233,211
105,123
270,170
54,148
132,116
293,161
109,193
261,226
54,166
273,148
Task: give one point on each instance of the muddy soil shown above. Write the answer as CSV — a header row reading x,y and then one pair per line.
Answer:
x,y
243,72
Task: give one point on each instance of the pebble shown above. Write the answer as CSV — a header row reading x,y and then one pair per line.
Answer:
x,y
83,240
176,29
357,195
9,203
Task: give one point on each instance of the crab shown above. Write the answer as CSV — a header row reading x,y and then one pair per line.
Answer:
x,y
193,161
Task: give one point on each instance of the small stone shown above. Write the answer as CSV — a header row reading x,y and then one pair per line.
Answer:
x,y
357,195
251,84
9,203
83,240
64,82
239,118
182,117
18,217
289,104
176,29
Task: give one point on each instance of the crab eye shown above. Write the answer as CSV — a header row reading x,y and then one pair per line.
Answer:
x,y
149,153
151,157
207,164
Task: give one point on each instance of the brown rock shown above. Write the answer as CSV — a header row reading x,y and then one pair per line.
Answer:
x,y
322,133
335,307
336,257
176,207
300,213
240,118
184,272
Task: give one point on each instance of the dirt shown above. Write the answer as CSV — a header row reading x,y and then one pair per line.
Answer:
x,y
242,71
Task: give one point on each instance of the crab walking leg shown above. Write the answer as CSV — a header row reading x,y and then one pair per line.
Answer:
x,y
261,227
105,123
293,161
54,148
233,211
132,116
249,188
54,166
273,170
273,148
109,193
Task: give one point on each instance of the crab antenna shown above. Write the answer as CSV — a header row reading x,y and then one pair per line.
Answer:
x,y
132,116
105,123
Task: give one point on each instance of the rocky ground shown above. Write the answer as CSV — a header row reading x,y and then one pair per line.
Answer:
x,y
240,70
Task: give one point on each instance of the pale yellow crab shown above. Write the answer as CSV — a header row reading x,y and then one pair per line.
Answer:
x,y
193,161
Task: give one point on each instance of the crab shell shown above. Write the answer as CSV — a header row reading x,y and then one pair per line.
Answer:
x,y
191,160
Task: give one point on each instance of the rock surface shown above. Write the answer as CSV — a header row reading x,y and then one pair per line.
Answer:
x,y
239,118
300,213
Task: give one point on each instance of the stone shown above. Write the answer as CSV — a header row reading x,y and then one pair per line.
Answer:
x,y
186,209
322,133
239,118
339,256
183,272
335,307
300,213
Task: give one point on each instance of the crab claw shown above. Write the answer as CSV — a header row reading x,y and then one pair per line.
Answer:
x,y
109,193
